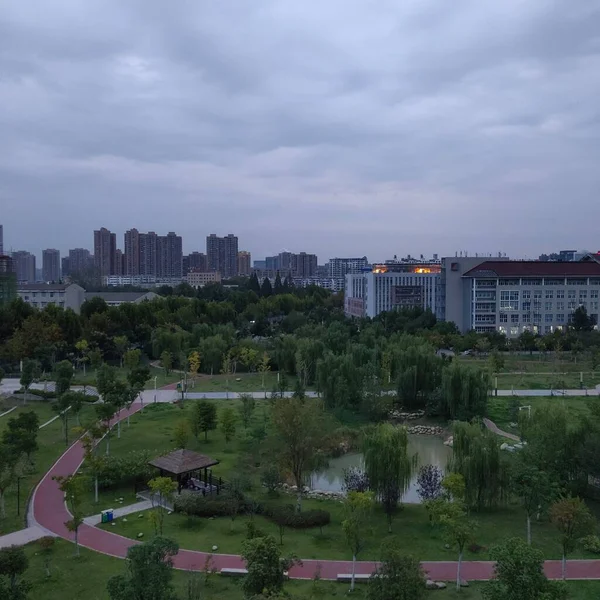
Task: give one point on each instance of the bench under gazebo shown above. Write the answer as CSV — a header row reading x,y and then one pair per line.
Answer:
x,y
188,468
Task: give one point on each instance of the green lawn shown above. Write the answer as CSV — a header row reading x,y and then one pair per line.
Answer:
x,y
51,442
73,578
499,407
153,430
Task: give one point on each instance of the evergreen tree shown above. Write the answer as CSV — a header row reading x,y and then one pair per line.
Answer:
x,y
288,284
253,284
266,289
278,288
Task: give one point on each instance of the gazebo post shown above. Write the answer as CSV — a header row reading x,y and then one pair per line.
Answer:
x,y
205,476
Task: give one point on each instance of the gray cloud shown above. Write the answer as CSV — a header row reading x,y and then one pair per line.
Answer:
x,y
340,128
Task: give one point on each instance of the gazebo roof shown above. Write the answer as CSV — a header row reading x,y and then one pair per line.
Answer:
x,y
183,461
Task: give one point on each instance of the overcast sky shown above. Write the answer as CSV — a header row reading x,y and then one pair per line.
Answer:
x,y
341,127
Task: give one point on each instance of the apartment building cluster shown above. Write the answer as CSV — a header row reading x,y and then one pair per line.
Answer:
x,y
503,295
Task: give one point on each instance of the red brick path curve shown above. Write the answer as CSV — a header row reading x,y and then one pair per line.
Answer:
x,y
49,511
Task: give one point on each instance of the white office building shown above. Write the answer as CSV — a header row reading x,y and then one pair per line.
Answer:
x,y
393,285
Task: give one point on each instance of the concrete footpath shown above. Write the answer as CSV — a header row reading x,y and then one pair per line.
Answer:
x,y
23,536
120,512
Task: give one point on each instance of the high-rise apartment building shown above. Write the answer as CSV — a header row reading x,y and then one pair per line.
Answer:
x,y
65,266
340,267
148,253
244,262
119,267
24,266
51,265
132,252
304,265
222,254
105,247
1,240
8,280
196,261
80,261
169,255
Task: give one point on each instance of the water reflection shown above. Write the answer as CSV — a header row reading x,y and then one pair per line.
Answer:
x,y
430,450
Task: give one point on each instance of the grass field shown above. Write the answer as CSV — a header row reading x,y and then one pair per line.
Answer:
x,y
73,578
154,431
51,442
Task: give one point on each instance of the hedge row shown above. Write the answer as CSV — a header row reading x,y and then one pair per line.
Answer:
x,y
132,468
222,506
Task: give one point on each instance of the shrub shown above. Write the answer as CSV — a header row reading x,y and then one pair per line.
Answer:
x,y
131,468
285,516
271,478
476,548
355,480
591,543
192,503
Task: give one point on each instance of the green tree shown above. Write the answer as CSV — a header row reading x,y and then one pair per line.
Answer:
x,y
519,574
573,519
94,463
477,457
357,511
149,573
83,348
75,488
166,360
247,409
105,412
581,321
388,466
181,434
30,368
227,370
132,359
464,392
265,566
266,289
398,577
136,378
162,490
204,418
459,531
10,467
278,286
419,374
121,344
13,563
62,407
63,376
194,362
46,545
95,359
300,435
228,423
533,487
21,434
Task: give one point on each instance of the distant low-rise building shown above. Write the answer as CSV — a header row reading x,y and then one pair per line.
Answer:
x,y
145,281
118,298
40,295
198,279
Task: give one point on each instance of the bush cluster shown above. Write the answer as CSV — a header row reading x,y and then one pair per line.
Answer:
x,y
131,468
195,504
591,543
285,516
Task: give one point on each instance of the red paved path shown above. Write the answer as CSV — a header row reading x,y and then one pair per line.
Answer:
x,y
49,511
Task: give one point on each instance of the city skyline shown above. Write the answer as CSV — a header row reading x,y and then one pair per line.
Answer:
x,y
411,129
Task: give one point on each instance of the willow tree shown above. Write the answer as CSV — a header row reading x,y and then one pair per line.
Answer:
x,y
388,466
464,392
301,434
478,459
419,374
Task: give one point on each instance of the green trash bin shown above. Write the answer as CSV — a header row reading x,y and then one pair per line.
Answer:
x,y
104,516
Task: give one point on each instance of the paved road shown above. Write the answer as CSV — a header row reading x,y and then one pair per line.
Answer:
x,y
48,510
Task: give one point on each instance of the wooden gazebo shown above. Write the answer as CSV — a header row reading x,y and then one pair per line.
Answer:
x,y
184,465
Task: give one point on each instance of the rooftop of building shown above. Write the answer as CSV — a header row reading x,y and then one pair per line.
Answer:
x,y
50,287
120,296
534,268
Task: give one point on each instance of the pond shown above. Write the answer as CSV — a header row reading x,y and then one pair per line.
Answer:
x,y
430,450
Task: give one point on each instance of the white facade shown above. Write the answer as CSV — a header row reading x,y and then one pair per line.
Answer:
x,y
41,295
511,305
368,294
147,281
198,280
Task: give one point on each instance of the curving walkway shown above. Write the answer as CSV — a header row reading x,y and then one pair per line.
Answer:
x,y
48,511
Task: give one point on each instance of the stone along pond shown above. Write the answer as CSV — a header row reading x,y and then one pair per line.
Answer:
x,y
430,450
